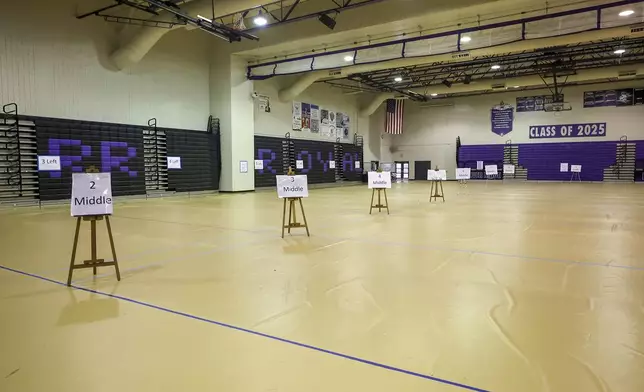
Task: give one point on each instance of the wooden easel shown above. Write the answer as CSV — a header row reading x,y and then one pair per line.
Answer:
x,y
434,192
379,206
93,262
292,218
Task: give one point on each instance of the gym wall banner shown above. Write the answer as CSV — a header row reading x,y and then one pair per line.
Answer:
x,y
502,117
567,130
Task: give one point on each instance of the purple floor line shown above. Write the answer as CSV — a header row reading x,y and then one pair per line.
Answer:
x,y
240,329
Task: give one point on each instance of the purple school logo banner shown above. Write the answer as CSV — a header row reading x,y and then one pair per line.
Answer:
x,y
114,156
502,117
567,130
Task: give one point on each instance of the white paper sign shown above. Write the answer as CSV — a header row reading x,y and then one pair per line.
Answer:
x,y
491,170
436,175
48,163
259,164
292,186
563,167
299,164
508,169
91,194
479,165
575,168
379,180
331,164
243,166
463,173
357,164
174,162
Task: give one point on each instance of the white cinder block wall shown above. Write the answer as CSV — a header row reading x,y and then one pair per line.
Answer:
x,y
430,133
279,121
53,65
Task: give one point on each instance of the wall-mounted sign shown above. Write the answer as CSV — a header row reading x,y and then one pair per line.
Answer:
x,y
502,117
259,164
612,98
48,162
533,104
174,162
243,166
508,169
567,130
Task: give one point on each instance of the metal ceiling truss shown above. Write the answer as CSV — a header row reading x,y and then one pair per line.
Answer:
x,y
173,8
565,60
288,11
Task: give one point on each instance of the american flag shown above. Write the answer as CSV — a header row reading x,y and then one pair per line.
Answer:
x,y
394,116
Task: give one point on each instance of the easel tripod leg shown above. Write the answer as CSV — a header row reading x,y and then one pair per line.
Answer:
x,y
373,191
379,202
116,262
291,215
93,242
306,225
386,201
71,264
284,218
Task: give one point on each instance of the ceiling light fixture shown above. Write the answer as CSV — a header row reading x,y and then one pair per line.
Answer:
x,y
348,58
433,94
327,21
517,86
260,20
398,79
620,51
496,66
626,13
465,39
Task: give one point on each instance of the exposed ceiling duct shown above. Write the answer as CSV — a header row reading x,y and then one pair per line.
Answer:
x,y
136,48
584,76
516,47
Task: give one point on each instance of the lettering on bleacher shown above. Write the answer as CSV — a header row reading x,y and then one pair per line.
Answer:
x,y
74,161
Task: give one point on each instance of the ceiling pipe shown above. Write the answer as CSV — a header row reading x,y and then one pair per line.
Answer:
x,y
298,87
375,104
527,45
134,50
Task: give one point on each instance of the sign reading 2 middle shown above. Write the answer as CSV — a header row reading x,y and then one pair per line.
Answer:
x,y
567,130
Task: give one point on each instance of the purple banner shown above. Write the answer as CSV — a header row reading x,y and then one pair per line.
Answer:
x,y
567,130
502,118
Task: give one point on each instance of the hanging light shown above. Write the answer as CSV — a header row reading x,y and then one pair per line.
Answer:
x,y
620,51
626,13
260,20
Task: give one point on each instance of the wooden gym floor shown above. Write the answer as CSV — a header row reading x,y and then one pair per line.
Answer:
x,y
505,287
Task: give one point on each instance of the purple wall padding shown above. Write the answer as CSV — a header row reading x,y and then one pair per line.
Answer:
x,y
488,153
543,159
639,148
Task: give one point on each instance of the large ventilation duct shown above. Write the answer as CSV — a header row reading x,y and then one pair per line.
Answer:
x,y
516,47
588,75
135,49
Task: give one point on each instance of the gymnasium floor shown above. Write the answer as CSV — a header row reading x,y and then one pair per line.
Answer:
x,y
505,287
